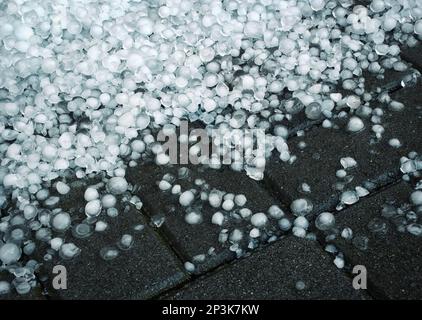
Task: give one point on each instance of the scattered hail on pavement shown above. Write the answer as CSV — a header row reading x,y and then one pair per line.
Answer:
x,y
85,86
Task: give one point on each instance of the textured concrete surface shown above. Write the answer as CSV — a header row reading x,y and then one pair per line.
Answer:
x,y
144,270
393,260
377,161
153,267
192,240
272,273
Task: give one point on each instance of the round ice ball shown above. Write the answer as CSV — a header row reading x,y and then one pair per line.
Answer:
x,y
325,221
93,208
142,121
61,221
301,207
418,27
416,198
10,253
117,185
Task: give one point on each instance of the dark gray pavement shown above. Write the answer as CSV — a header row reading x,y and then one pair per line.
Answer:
x,y
154,266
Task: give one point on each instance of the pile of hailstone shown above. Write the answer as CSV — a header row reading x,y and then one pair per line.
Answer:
x,y
85,84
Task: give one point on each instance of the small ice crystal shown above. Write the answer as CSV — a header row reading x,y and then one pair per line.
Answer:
x,y
186,198
217,218
10,253
301,207
348,162
339,262
347,233
117,185
300,285
61,221
325,221
415,229
189,267
109,253
416,197
259,220
349,197
126,242
69,251
82,230
4,287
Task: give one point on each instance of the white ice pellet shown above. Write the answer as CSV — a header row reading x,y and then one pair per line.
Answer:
x,y
236,235
395,143
361,191
62,187
299,232
164,185
91,194
93,208
284,224
245,213
349,197
176,189
215,199
347,233
186,198
301,207
227,205
275,212
418,26
254,233
193,217
416,198
100,226
300,285
61,221
325,221
259,219
301,222
217,218
126,242
10,253
69,251
4,287
240,200
117,185
56,243
189,266
339,262
415,229
108,201
355,124
348,162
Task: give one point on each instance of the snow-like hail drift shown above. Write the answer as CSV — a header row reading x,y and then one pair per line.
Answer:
x,y
85,85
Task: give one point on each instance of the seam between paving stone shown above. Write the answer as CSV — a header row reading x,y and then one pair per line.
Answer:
x,y
221,267
383,182
165,241
164,237
372,290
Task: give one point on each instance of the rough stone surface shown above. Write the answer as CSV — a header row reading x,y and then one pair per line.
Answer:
x,y
143,271
272,273
393,260
377,161
413,55
192,240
